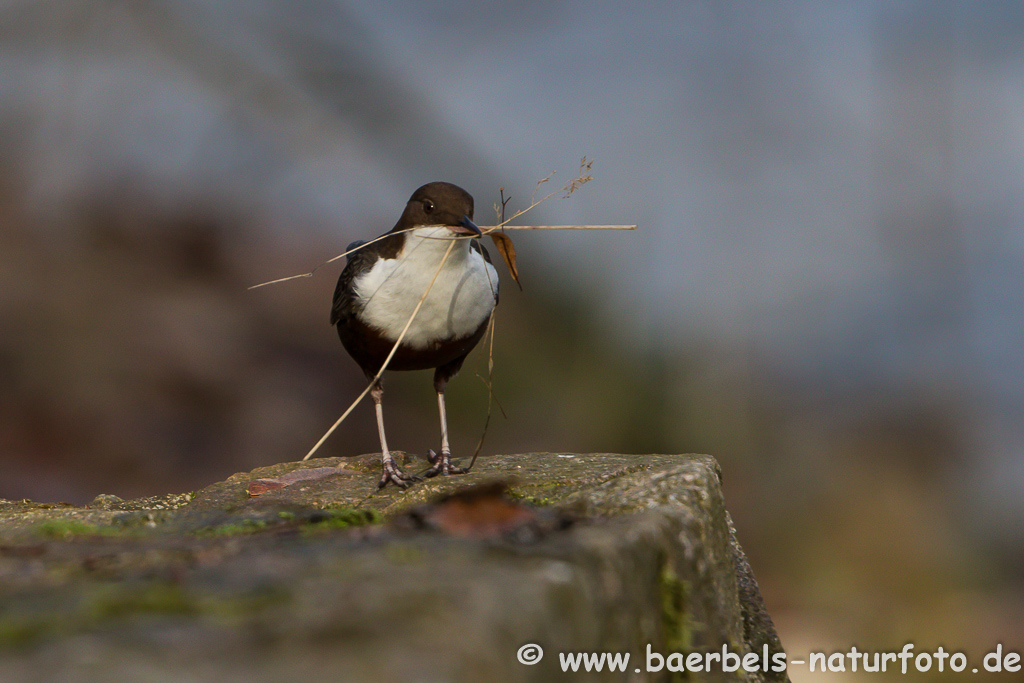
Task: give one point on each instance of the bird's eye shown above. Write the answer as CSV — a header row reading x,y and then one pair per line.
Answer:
x,y
428,205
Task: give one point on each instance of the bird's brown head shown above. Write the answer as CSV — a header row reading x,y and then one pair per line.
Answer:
x,y
440,203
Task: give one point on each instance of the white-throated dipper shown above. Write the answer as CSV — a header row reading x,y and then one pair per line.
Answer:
x,y
384,281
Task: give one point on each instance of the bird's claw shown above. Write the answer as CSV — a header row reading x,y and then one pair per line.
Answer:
x,y
442,464
396,476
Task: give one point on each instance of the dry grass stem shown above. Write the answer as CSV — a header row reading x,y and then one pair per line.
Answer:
x,y
489,383
582,177
330,260
491,228
387,360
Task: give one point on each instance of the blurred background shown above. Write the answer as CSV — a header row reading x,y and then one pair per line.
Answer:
x,y
826,289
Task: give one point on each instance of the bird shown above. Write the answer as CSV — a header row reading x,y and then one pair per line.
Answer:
x,y
383,282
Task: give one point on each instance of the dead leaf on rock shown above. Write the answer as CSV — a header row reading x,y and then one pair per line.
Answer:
x,y
479,511
261,486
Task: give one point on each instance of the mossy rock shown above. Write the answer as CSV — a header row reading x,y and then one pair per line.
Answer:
x,y
328,578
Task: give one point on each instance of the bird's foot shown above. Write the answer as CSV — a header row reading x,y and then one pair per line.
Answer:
x,y
442,464
394,474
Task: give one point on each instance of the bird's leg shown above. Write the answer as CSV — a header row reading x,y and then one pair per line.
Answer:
x,y
391,471
442,463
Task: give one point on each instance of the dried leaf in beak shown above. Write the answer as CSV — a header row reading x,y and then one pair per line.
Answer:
x,y
508,252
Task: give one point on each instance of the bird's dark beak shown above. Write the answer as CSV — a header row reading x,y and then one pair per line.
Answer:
x,y
467,227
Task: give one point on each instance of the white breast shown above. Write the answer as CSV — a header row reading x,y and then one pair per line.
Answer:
x,y
460,300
